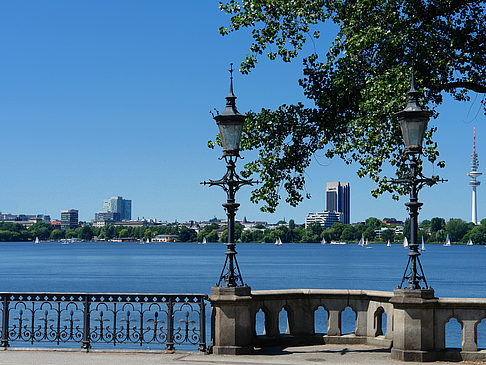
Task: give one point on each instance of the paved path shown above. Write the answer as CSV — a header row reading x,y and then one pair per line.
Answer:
x,y
325,354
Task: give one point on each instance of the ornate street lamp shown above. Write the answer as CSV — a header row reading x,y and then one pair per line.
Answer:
x,y
413,123
230,124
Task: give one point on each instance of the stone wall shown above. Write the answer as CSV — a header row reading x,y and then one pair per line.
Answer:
x,y
411,323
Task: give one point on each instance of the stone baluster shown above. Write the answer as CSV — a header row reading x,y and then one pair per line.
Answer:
x,y
334,325
469,337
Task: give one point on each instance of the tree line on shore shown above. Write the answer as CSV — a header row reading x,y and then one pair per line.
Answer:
x,y
434,230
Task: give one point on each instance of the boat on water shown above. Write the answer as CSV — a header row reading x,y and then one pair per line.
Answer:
x,y
204,241
469,243
141,241
361,241
323,242
388,244
448,242
405,242
36,241
278,242
338,243
422,248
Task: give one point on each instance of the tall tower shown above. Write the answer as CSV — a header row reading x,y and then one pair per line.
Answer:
x,y
474,174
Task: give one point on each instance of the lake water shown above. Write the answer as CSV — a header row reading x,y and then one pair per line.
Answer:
x,y
456,271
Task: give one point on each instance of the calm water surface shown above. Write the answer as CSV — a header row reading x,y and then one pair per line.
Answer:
x,y
456,271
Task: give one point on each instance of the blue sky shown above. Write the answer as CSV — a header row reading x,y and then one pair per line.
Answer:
x,y
112,98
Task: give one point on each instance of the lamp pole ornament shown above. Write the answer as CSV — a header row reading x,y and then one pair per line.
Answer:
x,y
230,124
413,124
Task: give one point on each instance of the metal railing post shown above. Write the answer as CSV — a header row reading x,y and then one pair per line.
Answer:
x,y
5,319
86,324
170,325
202,325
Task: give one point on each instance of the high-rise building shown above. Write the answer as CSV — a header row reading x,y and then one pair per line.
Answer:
x,y
119,205
474,174
107,216
337,206
338,199
69,219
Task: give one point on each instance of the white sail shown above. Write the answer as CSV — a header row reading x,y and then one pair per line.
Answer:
x,y
405,242
36,240
388,244
423,245
204,241
278,242
323,241
448,241
469,243
361,241
366,244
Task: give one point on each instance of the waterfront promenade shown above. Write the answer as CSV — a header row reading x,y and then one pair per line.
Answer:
x,y
322,354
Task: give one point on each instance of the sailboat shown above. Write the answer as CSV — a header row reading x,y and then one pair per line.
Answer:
x,y
278,242
36,241
141,241
405,242
204,241
422,248
323,241
469,243
448,241
361,241
388,244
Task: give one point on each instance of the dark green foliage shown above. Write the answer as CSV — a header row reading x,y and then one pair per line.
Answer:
x,y
355,87
436,224
388,235
456,228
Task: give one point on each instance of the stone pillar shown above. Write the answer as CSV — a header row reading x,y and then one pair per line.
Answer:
x,y
232,325
301,318
413,330
469,335
334,323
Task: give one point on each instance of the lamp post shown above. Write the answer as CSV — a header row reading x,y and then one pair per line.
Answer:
x,y
413,124
230,124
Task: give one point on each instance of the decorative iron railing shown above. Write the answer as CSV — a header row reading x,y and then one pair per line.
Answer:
x,y
110,319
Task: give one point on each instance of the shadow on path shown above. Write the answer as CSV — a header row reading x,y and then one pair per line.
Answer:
x,y
317,350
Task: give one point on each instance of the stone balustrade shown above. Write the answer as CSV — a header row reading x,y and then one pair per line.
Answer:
x,y
410,323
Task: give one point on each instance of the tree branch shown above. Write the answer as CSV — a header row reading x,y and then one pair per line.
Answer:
x,y
460,84
437,11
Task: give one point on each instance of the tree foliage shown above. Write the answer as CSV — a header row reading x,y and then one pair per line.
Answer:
x,y
354,87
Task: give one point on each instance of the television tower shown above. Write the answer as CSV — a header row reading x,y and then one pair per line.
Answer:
x,y
474,173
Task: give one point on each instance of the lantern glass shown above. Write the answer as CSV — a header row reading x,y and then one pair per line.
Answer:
x,y
230,137
413,132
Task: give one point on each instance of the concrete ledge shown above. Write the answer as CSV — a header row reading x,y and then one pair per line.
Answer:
x,y
321,339
418,356
231,350
458,355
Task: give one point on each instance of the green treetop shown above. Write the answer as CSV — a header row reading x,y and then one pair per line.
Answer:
x,y
356,85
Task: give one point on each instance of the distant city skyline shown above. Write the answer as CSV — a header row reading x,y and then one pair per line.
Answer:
x,y
98,102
